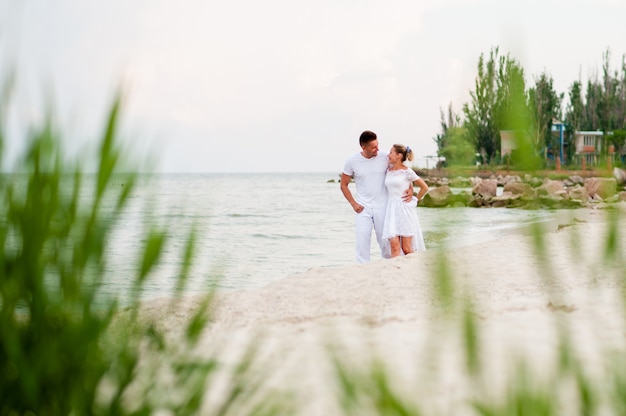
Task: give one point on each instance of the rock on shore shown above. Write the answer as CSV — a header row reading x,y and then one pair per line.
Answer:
x,y
528,192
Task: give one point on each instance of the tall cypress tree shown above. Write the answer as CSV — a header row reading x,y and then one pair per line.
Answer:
x,y
480,117
545,106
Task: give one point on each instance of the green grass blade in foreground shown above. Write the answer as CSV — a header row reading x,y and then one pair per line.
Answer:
x,y
526,396
109,152
612,249
443,281
51,359
369,388
155,241
471,341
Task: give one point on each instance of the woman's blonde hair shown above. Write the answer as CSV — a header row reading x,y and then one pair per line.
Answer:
x,y
405,151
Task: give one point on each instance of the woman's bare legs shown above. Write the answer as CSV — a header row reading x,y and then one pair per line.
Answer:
x,y
407,247
394,243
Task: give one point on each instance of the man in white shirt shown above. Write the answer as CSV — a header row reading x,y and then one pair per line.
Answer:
x,y
368,169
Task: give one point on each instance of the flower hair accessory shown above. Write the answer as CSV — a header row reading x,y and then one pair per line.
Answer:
x,y
408,150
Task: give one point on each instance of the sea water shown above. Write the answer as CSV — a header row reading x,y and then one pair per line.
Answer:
x,y
253,229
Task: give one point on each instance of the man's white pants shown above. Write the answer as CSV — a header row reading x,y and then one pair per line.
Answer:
x,y
366,220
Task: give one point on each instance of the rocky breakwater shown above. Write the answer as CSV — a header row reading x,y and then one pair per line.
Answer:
x,y
528,192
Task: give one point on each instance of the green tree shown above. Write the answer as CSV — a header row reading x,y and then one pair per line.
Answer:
x,y
498,103
512,110
618,139
480,113
591,114
452,120
511,105
545,106
620,109
574,115
459,150
608,102
605,103
612,106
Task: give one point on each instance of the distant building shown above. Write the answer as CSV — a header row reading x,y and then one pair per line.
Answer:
x,y
588,145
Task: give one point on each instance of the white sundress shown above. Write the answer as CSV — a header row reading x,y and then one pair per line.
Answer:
x,y
401,217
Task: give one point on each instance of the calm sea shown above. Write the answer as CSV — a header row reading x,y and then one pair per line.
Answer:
x,y
257,228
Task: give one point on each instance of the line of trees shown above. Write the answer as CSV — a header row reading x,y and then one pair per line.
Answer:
x,y
501,101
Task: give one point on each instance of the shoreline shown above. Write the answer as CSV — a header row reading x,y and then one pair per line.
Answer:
x,y
514,238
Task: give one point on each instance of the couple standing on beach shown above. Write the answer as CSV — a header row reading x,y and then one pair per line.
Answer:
x,y
384,199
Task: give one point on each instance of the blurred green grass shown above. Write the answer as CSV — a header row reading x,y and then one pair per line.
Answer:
x,y
66,347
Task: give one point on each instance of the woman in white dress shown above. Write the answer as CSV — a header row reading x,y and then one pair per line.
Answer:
x,y
401,226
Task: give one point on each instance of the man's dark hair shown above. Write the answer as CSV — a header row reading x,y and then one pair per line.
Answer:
x,y
366,137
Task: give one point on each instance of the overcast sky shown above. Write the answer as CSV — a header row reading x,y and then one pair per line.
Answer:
x,y
284,86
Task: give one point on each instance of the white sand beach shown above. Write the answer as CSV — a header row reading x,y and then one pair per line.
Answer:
x,y
390,311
